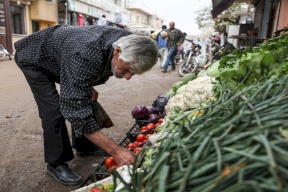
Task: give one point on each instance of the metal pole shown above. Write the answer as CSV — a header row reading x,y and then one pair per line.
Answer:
x,y
66,13
8,26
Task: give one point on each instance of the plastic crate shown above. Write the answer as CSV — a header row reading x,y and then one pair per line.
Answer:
x,y
101,172
145,122
225,49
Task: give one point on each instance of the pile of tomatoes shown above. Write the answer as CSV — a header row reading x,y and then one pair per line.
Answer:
x,y
145,132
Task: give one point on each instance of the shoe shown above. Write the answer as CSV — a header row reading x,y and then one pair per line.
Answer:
x,y
173,69
96,151
164,71
63,174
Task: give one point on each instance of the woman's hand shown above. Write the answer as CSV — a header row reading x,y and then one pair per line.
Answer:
x,y
94,94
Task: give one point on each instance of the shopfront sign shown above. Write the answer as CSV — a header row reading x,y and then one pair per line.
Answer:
x,y
83,8
88,7
122,18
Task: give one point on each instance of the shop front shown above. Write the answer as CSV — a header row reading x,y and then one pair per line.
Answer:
x,y
17,19
82,13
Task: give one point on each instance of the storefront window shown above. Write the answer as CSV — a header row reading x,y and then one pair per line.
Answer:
x,y
17,19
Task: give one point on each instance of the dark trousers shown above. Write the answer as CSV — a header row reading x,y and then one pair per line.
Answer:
x,y
57,147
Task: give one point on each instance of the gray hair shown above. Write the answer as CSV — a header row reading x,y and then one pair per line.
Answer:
x,y
140,51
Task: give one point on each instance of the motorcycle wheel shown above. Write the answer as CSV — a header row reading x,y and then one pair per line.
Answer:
x,y
185,69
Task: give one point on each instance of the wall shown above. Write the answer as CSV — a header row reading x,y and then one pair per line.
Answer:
x,y
142,18
119,2
283,17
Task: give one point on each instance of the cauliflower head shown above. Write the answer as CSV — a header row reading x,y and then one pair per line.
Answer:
x,y
198,92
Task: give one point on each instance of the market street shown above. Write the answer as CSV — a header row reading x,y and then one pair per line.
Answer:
x,y
22,166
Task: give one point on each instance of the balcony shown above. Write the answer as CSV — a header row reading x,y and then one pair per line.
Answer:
x,y
140,8
44,11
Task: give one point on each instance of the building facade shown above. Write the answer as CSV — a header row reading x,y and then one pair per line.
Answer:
x,y
143,20
87,12
29,16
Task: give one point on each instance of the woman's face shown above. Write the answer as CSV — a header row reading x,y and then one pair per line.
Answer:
x,y
121,69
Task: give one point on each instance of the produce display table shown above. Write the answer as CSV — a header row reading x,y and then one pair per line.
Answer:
x,y
102,175
123,171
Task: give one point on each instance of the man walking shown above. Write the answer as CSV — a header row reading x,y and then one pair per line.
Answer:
x,y
175,38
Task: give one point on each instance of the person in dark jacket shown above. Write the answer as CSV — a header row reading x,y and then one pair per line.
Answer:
x,y
78,58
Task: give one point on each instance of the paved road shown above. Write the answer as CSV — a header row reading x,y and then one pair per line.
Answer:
x,y
21,143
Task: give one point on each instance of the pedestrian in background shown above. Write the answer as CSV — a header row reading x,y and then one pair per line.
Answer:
x,y
102,21
175,38
162,45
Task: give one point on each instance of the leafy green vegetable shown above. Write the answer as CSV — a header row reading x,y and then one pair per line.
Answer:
x,y
213,70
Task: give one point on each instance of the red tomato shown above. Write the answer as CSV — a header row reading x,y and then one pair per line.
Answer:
x,y
135,144
129,146
150,125
144,127
110,162
160,120
143,130
136,150
157,124
139,143
140,138
147,136
95,190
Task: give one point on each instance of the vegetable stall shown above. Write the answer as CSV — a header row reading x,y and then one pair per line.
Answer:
x,y
226,130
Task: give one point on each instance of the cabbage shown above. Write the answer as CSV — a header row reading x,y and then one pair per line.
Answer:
x,y
213,70
140,112
160,103
151,110
202,73
153,117
181,89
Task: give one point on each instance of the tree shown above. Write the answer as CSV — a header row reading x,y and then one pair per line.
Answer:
x,y
227,18
204,18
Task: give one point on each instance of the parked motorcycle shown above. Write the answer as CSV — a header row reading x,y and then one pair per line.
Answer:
x,y
193,58
4,52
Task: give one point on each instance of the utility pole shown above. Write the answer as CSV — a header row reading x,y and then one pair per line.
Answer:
x,y
8,26
66,13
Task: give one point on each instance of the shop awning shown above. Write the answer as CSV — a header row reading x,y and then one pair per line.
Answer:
x,y
219,6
